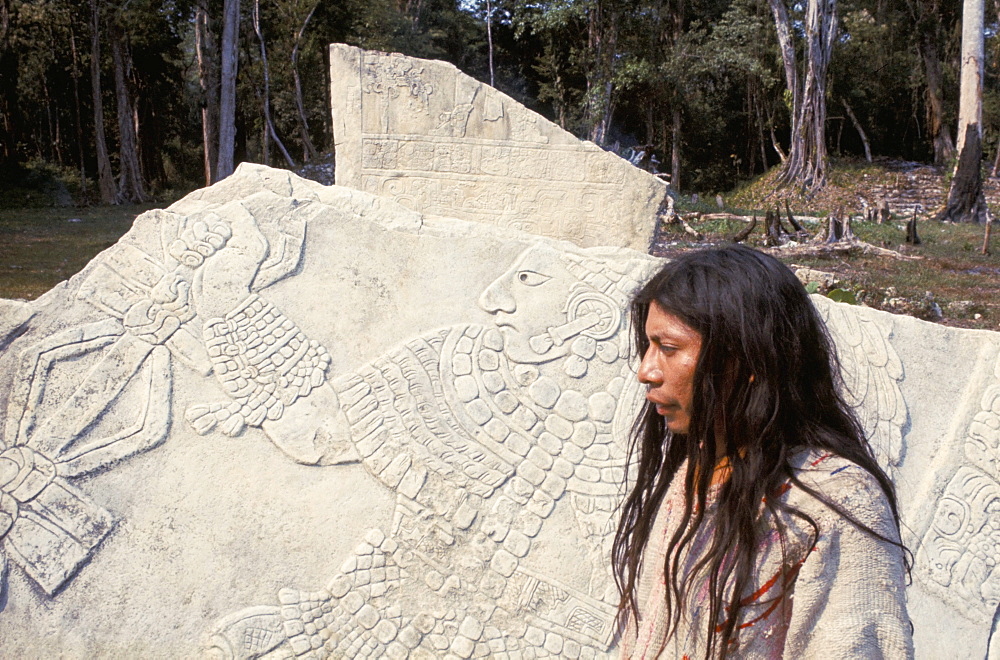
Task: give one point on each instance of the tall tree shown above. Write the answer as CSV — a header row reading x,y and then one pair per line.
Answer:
x,y
603,17
8,88
208,83
270,134
227,89
807,156
130,185
77,113
966,202
929,19
308,150
105,178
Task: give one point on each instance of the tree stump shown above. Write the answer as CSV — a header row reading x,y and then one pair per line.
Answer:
x,y
911,231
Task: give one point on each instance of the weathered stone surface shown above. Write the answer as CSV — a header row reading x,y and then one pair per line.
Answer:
x,y
13,315
438,141
279,416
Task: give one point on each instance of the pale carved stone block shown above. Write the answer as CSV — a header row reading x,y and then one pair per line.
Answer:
x,y
249,429
440,142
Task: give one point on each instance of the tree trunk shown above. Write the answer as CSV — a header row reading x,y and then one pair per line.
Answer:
x,y
760,133
970,100
79,123
860,130
9,67
774,141
807,156
966,202
106,180
602,42
308,150
489,37
783,27
130,186
996,163
269,132
208,80
227,89
265,97
944,146
675,152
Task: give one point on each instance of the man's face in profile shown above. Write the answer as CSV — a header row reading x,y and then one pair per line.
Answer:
x,y
529,300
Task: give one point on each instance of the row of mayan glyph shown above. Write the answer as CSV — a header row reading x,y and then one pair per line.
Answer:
x,y
442,143
286,420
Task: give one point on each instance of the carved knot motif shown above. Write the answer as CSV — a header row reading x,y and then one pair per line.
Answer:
x,y
24,473
199,242
46,526
263,361
156,318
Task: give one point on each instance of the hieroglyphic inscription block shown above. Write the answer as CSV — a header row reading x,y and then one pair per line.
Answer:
x,y
960,552
438,141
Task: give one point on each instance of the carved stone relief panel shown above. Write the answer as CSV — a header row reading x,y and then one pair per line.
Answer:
x,y
872,375
98,392
438,141
272,421
483,433
960,550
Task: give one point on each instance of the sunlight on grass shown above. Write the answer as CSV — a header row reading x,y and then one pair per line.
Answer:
x,y
950,265
41,247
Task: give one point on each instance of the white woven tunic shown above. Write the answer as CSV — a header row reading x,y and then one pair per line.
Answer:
x,y
844,599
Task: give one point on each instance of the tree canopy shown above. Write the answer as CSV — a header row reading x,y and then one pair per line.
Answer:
x,y
130,93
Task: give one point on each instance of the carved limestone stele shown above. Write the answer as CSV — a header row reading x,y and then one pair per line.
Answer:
x,y
279,419
440,142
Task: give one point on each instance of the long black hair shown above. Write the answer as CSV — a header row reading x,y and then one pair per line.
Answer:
x,y
765,387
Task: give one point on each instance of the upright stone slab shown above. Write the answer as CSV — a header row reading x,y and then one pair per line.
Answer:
x,y
279,419
440,142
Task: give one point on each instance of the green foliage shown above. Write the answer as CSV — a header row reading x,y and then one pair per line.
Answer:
x,y
842,296
705,75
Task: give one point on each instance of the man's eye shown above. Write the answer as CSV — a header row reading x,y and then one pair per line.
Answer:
x,y
531,278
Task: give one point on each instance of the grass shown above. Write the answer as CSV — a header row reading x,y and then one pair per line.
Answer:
x,y
949,267
40,247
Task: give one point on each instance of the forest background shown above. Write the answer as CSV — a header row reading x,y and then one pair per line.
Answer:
x,y
127,99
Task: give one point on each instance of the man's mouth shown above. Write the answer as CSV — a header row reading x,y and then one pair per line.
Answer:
x,y
663,408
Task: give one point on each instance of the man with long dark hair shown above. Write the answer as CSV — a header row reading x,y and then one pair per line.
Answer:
x,y
759,524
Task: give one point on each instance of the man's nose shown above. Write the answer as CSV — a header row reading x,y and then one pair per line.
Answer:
x,y
649,371
496,298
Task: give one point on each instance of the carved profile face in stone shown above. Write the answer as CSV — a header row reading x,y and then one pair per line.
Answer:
x,y
542,308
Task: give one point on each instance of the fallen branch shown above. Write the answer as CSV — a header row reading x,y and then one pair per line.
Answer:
x,y
723,216
839,248
744,233
689,229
